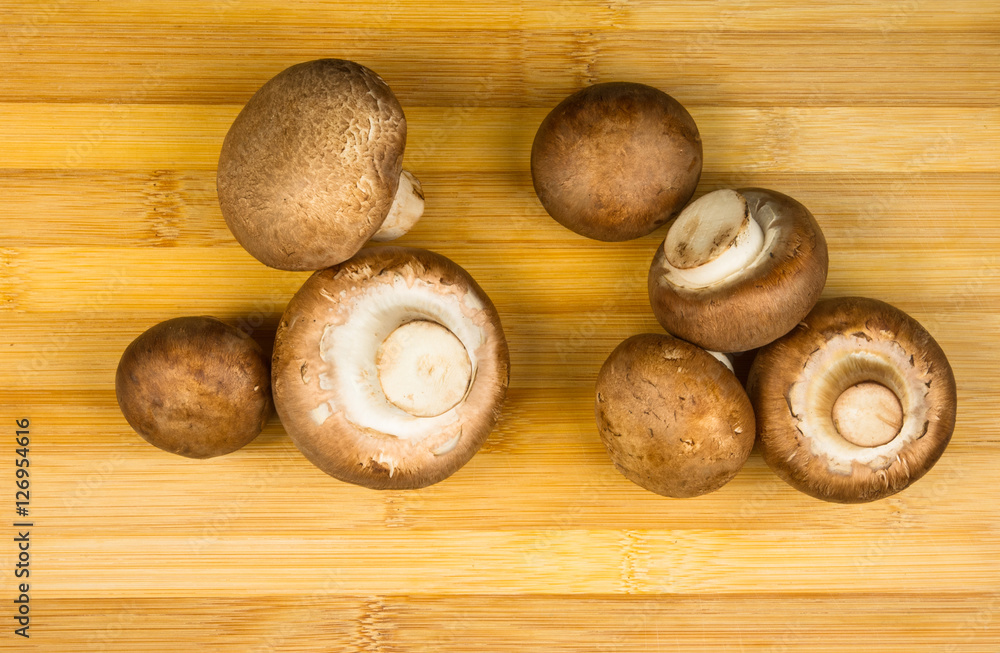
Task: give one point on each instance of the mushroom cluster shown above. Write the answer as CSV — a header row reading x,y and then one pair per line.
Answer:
x,y
390,366
852,399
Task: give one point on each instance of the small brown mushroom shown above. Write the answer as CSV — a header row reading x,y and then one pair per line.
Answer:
x,y
855,404
673,416
738,269
614,161
311,168
194,386
390,369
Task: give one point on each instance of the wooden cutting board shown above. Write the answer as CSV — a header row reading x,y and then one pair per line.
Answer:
x,y
882,117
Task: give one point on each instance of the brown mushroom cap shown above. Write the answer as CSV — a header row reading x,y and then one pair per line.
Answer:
x,y
310,166
326,368
194,386
614,161
674,418
851,350
764,301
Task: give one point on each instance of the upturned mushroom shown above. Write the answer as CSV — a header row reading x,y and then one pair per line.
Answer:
x,y
738,269
855,404
390,369
614,161
194,386
672,416
311,169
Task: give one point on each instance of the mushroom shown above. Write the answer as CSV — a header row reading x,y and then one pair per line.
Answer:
x,y
311,168
855,404
194,386
390,369
738,269
614,161
672,416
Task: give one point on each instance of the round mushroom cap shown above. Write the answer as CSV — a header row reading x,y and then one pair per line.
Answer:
x,y
310,166
673,418
855,404
614,161
194,386
759,303
347,380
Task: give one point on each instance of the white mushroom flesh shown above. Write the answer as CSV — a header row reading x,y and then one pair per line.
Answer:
x,y
714,238
423,368
844,362
407,207
868,414
722,358
357,329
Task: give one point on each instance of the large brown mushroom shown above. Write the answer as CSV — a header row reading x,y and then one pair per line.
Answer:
x,y
311,168
390,369
738,269
672,416
614,161
855,404
194,386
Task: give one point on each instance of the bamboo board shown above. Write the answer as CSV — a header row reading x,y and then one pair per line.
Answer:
x,y
881,117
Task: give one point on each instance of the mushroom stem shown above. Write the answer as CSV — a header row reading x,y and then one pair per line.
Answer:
x,y
407,207
713,238
423,368
868,414
722,358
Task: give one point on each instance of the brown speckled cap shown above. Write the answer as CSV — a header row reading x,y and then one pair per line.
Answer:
x,y
310,166
194,386
614,161
674,419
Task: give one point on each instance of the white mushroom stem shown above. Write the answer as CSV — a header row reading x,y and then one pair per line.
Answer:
x,y
868,414
722,358
407,207
423,368
713,238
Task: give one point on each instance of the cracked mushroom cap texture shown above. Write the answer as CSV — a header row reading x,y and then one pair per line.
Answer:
x,y
674,419
309,168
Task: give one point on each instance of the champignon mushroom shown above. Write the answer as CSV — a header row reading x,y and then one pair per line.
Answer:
x,y
855,404
194,386
738,269
614,161
673,416
390,369
311,168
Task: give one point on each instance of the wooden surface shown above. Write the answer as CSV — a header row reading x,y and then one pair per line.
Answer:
x,y
880,116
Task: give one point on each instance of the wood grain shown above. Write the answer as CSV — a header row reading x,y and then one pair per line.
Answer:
x,y
882,117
